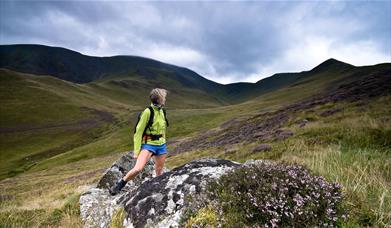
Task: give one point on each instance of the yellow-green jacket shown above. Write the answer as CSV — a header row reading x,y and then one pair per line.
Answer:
x,y
158,128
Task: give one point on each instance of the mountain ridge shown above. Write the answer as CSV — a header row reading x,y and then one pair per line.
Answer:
x,y
73,66
6,53
333,119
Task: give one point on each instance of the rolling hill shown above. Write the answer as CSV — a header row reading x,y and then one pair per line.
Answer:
x,y
74,67
65,100
64,117
124,71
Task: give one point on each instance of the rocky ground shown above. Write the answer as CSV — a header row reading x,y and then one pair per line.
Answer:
x,y
97,205
150,201
171,199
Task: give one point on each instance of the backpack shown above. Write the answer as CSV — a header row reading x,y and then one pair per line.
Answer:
x,y
150,121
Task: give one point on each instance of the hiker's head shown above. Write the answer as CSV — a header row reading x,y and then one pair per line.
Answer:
x,y
158,96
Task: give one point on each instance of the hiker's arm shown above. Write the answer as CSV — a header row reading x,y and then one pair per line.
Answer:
x,y
140,130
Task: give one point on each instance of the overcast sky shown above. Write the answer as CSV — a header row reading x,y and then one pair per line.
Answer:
x,y
223,41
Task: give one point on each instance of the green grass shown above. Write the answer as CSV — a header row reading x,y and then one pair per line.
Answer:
x,y
41,117
25,102
46,198
118,218
41,101
66,216
205,217
350,147
353,150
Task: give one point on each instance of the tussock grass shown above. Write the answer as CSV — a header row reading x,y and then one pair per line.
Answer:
x,y
118,218
67,215
351,147
205,217
48,199
364,175
353,150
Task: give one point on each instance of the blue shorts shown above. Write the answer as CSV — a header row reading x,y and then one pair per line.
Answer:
x,y
155,150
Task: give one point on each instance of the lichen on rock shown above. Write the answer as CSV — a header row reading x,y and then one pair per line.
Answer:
x,y
97,206
160,202
149,201
181,195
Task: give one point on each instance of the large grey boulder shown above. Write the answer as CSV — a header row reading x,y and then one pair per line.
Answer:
x,y
120,168
161,201
150,201
97,205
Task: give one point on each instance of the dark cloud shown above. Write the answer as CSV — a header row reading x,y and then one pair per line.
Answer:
x,y
224,41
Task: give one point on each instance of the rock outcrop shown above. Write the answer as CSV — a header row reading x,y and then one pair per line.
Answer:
x,y
150,201
97,205
161,201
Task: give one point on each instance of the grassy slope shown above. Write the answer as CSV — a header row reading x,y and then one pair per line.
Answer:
x,y
351,147
332,159
75,67
44,116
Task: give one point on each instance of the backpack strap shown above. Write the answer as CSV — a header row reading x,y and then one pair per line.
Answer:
x,y
150,121
165,116
149,124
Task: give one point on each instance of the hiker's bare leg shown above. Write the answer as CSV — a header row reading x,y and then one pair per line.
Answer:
x,y
159,164
142,159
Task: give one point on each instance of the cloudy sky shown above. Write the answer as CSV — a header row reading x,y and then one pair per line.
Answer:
x,y
223,41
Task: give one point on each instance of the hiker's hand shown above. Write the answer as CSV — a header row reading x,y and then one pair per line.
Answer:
x,y
135,156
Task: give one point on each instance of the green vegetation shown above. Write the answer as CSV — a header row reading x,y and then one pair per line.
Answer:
x,y
118,218
57,137
353,150
48,120
276,195
49,197
66,216
205,217
348,148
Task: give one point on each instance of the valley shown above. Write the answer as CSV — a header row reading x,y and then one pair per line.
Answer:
x,y
59,132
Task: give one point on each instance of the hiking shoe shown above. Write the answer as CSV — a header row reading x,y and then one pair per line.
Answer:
x,y
117,187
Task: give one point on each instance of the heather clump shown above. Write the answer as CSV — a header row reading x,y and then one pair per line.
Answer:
x,y
276,195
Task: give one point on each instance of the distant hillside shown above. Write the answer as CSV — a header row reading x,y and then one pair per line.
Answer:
x,y
124,70
244,91
75,67
65,117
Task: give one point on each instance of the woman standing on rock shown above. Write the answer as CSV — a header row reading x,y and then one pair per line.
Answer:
x,y
149,138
